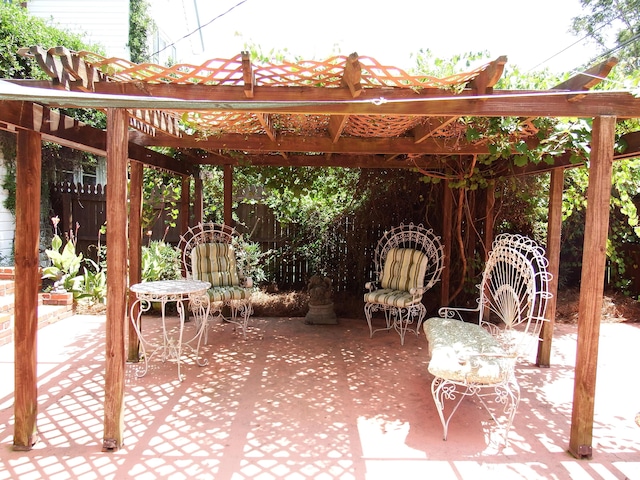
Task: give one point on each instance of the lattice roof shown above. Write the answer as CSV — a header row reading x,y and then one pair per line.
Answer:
x,y
345,111
357,73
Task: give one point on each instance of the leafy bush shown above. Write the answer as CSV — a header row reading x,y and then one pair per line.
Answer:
x,y
65,263
160,261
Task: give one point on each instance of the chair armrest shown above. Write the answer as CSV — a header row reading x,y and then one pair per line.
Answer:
x,y
418,292
371,286
455,312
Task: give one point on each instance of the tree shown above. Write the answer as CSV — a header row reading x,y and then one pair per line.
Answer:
x,y
140,23
615,27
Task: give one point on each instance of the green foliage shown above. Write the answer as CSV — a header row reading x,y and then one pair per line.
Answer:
x,y
160,261
140,24
65,262
19,29
93,282
615,27
161,192
251,259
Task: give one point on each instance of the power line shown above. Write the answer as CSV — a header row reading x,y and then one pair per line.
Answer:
x,y
200,27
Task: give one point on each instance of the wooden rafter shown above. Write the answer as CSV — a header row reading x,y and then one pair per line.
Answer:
x,y
483,84
66,131
431,127
586,80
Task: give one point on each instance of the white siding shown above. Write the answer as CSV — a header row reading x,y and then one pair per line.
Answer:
x,y
105,22
7,223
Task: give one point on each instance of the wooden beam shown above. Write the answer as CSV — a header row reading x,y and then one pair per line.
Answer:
x,y
592,285
498,104
248,75
554,234
27,282
117,125
336,160
336,126
64,130
298,143
432,127
267,124
136,171
588,79
352,75
483,84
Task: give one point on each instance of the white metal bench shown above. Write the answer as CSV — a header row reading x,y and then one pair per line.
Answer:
x,y
408,262
479,359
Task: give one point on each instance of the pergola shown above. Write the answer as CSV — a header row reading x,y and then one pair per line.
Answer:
x,y
344,111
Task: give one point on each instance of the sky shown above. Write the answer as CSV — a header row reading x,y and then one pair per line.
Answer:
x,y
528,33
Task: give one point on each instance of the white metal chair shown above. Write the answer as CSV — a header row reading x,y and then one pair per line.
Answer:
x,y
479,359
408,261
209,254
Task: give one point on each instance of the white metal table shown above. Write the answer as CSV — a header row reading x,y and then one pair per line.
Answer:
x,y
165,291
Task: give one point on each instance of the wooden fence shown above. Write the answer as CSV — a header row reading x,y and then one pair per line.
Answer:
x,y
286,264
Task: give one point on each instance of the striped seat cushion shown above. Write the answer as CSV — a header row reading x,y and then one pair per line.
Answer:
x,y
215,263
404,269
224,294
385,296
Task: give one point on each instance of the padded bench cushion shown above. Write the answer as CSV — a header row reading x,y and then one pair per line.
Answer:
x,y
461,352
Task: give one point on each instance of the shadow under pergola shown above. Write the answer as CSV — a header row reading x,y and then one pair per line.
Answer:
x,y
307,402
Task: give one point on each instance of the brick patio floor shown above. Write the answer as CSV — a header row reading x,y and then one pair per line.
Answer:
x,y
296,401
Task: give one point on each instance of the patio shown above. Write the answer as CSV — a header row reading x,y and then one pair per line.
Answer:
x,y
300,402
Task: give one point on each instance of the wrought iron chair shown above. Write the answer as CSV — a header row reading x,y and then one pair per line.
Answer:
x,y
479,359
208,254
408,261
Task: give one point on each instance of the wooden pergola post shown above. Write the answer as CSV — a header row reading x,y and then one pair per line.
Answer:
x,y
592,285
185,211
554,233
27,281
489,222
447,225
117,154
198,198
136,170
228,195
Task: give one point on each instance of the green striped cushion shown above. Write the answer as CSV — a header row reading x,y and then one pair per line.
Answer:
x,y
218,294
396,298
404,269
215,263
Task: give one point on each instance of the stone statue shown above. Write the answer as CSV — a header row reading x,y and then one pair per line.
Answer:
x,y
320,292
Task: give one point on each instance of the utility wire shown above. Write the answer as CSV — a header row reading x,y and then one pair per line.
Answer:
x,y
199,28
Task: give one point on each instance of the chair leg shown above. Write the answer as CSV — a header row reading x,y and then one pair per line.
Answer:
x,y
243,309
443,390
401,322
422,312
370,309
368,312
507,394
